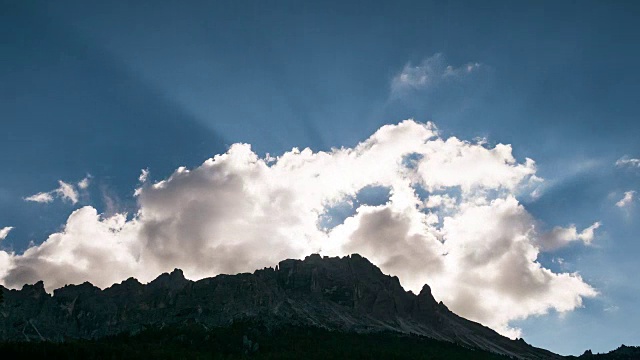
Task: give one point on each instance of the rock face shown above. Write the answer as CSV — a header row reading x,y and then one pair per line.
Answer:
x,y
347,294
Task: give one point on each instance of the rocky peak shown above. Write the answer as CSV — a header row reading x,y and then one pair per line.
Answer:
x,y
316,273
174,280
129,287
352,281
72,291
426,302
34,291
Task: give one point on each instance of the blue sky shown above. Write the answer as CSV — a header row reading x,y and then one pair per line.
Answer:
x,y
109,89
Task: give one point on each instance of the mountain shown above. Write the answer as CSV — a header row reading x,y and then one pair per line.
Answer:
x,y
621,353
347,295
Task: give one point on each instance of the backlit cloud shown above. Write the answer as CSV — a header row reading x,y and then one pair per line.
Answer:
x,y
450,219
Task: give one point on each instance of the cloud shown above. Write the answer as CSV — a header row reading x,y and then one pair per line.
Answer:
x,y
65,191
471,166
494,276
43,197
626,199
560,237
144,174
429,73
626,161
142,179
87,246
436,201
451,220
84,183
4,232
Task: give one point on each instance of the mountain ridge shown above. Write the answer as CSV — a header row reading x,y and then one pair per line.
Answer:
x,y
347,294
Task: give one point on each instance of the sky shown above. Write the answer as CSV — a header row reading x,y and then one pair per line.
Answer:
x,y
489,149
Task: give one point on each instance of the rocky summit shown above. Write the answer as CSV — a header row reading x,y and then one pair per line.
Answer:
x,y
347,294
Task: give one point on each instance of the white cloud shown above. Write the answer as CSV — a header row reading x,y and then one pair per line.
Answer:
x,y
65,191
471,166
142,179
628,162
144,174
626,199
5,231
429,73
436,201
84,183
43,197
560,236
469,237
494,276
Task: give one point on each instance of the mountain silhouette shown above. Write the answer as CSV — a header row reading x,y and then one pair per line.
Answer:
x,y
347,295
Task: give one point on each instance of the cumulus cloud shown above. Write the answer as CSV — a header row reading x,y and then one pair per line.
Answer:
x,y
626,199
65,191
626,161
471,167
451,220
4,232
437,200
494,276
429,73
